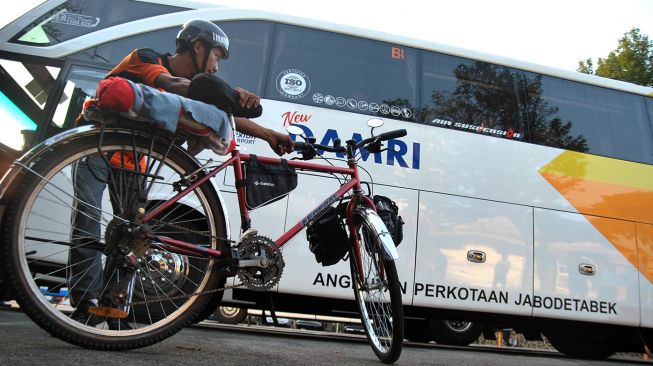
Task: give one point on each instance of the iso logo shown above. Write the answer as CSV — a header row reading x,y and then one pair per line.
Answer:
x,y
293,84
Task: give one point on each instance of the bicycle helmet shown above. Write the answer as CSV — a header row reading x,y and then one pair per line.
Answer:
x,y
205,31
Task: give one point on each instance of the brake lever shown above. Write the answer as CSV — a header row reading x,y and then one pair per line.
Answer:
x,y
374,147
308,152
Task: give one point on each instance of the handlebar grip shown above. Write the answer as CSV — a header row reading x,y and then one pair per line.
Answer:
x,y
300,146
392,134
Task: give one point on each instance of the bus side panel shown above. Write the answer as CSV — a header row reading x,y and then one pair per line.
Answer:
x,y
645,260
580,274
474,255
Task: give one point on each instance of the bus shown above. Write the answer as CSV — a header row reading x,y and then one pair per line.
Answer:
x,y
526,191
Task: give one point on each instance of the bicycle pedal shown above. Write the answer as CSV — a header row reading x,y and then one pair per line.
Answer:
x,y
105,312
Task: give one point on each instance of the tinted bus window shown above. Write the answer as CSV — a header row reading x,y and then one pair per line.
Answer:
x,y
248,49
341,72
587,118
249,43
472,96
24,90
78,17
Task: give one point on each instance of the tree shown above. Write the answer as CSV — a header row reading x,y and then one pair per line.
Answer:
x,y
632,61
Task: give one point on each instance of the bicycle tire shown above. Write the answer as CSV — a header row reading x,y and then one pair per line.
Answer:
x,y
381,309
46,183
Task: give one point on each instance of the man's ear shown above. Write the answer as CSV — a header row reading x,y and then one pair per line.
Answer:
x,y
197,46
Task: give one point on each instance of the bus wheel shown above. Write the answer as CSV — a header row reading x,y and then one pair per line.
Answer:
x,y
580,341
230,314
454,332
417,330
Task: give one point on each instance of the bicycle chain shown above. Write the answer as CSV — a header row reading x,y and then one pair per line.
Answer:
x,y
179,297
191,231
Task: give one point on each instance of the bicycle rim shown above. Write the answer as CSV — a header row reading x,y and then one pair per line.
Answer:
x,y
43,241
378,296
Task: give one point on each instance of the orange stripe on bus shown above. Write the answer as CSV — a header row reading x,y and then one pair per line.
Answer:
x,y
620,192
604,199
645,250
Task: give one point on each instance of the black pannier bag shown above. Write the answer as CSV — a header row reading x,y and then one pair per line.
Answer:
x,y
389,213
327,237
267,183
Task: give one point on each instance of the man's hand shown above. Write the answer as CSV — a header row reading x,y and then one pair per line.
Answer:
x,y
281,143
248,99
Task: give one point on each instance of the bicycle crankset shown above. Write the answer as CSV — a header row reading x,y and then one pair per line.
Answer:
x,y
260,264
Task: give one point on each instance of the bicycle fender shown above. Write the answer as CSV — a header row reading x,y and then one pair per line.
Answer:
x,y
372,218
26,160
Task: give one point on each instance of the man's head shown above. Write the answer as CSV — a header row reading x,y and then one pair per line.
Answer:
x,y
205,41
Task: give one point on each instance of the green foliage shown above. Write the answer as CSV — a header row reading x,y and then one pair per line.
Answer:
x,y
632,61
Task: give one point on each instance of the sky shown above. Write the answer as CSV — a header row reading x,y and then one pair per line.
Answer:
x,y
556,33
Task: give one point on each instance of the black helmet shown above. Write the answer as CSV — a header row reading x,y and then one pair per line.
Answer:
x,y
202,29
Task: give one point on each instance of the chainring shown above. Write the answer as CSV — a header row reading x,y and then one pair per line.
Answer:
x,y
260,278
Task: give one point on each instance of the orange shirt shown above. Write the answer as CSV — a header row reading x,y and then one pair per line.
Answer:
x,y
142,66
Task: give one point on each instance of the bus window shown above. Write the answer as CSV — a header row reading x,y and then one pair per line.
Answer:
x,y
472,96
336,71
81,84
112,53
248,54
36,80
24,90
75,18
587,118
248,49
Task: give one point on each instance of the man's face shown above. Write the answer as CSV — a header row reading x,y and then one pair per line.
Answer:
x,y
215,55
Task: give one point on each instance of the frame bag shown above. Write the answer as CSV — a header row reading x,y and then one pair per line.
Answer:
x,y
327,237
267,183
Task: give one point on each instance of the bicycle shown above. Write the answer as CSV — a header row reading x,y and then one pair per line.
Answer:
x,y
165,251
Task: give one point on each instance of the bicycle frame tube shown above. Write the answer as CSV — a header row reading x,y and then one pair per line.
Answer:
x,y
235,161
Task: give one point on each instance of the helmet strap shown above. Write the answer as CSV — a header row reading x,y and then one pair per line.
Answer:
x,y
207,52
193,56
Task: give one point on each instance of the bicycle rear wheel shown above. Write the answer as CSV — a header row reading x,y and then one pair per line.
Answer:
x,y
63,253
378,294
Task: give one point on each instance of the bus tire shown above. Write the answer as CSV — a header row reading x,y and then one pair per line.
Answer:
x,y
582,341
454,332
230,314
417,330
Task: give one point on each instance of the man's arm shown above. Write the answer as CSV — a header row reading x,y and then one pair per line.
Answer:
x,y
280,143
172,84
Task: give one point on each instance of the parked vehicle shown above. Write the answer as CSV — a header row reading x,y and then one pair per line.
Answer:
x,y
525,190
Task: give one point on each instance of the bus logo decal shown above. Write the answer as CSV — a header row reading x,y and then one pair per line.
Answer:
x,y
76,20
293,84
294,117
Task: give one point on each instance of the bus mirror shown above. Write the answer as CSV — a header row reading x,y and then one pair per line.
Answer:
x,y
375,122
294,130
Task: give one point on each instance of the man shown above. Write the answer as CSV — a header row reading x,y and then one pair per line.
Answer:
x,y
190,73
200,45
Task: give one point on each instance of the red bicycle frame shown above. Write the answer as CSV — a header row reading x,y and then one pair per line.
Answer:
x,y
235,160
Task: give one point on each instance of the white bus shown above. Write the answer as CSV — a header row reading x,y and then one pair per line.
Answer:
x,y
526,190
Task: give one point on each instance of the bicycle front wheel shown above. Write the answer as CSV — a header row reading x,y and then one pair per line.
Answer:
x,y
378,294
71,252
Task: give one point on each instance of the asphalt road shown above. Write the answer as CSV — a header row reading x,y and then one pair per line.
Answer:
x,y
23,343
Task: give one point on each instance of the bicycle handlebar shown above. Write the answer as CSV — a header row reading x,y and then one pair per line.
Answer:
x,y
308,150
392,134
